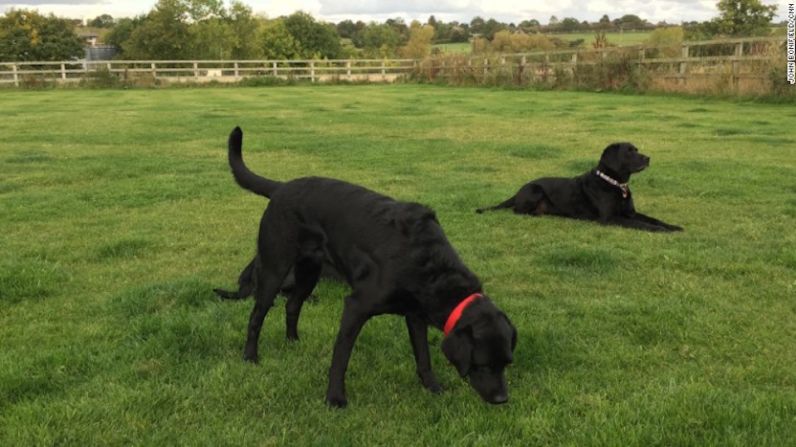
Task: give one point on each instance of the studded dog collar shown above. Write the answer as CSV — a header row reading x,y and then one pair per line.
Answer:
x,y
622,186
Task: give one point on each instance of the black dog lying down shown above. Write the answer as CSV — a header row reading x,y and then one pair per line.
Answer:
x,y
601,194
396,259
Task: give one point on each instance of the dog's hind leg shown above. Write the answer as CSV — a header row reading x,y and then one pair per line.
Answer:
x,y
418,336
307,272
269,274
531,200
508,203
268,285
245,284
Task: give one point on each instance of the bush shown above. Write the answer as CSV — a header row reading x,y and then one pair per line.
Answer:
x,y
667,42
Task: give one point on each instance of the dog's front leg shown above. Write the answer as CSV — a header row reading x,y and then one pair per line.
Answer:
x,y
354,317
632,223
654,221
418,336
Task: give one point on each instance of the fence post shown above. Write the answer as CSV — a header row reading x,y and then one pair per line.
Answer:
x,y
486,68
642,53
16,75
196,70
574,63
348,69
237,71
273,67
63,72
523,61
383,71
312,71
735,64
683,64
154,71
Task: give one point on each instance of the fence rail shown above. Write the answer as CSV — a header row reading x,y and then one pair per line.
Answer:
x,y
209,70
697,60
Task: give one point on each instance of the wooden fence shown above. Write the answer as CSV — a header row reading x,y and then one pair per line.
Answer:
x,y
744,65
738,61
375,70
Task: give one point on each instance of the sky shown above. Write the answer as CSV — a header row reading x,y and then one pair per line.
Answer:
x,y
672,11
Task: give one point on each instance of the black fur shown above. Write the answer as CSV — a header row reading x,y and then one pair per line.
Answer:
x,y
396,259
588,196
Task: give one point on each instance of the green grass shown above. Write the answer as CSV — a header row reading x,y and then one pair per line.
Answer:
x,y
458,47
119,216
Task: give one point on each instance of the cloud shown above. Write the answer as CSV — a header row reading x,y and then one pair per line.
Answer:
x,y
51,2
673,11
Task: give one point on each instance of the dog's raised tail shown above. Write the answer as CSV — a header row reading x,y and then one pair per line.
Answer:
x,y
243,176
508,203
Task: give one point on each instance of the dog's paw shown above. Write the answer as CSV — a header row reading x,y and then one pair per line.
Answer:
x,y
434,387
430,382
336,401
251,357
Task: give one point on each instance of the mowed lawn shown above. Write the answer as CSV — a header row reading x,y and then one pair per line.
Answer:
x,y
118,215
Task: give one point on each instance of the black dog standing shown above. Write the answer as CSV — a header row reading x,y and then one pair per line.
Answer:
x,y
396,259
601,194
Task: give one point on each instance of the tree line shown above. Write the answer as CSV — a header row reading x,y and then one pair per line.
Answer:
x,y
207,29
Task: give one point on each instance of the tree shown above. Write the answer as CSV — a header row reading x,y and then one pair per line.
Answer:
x,y
243,30
631,22
162,34
122,30
277,42
29,36
315,39
530,26
211,38
419,44
477,25
604,23
102,21
346,29
378,40
199,10
569,24
491,27
741,18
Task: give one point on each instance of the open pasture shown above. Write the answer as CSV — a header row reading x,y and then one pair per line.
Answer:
x,y
118,215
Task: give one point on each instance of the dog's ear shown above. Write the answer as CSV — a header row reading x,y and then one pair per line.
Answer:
x,y
412,217
458,348
513,333
610,157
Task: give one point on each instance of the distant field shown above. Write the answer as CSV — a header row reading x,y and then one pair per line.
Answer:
x,y
620,39
460,47
119,215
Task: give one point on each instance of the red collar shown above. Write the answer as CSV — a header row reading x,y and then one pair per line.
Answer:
x,y
453,318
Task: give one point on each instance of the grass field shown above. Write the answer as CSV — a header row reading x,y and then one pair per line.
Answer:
x,y
119,216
